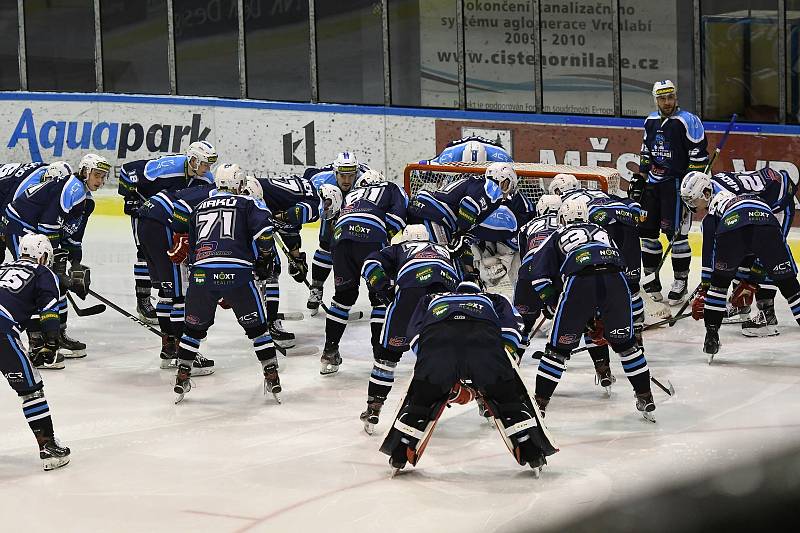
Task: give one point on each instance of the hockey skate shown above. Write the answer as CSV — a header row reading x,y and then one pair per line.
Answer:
x,y
69,347
183,382
646,406
202,366
52,453
763,324
653,289
330,360
603,376
370,416
677,293
314,298
169,349
280,336
145,310
272,382
711,343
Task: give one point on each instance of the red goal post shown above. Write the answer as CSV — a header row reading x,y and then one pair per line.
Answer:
x,y
534,178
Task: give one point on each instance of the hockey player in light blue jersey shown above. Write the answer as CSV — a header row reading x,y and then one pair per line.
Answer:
x,y
471,149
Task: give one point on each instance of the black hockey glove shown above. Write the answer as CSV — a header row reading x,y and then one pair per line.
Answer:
x,y
548,311
132,206
636,187
385,294
79,280
47,351
298,267
264,267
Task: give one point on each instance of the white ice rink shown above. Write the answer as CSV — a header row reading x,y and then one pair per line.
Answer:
x,y
228,459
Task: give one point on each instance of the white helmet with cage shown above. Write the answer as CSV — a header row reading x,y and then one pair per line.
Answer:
x,y
330,201
200,152
563,183
252,188
370,177
229,177
663,88
694,186
720,201
416,232
504,175
548,203
91,162
474,152
35,245
56,170
345,162
573,210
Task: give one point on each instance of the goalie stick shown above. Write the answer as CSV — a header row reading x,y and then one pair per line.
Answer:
x,y
86,311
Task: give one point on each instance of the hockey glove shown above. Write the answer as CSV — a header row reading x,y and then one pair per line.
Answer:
x,y
743,294
223,304
636,187
264,267
79,280
180,248
461,393
132,206
698,305
385,294
60,257
298,267
548,311
597,331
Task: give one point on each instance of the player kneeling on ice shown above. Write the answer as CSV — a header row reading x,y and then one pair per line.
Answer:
x,y
591,267
735,228
230,239
28,288
412,269
467,335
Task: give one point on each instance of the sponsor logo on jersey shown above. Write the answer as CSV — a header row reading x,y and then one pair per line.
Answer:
x,y
660,150
608,252
439,310
358,229
731,219
621,332
521,308
459,317
249,317
398,341
567,339
205,250
425,274
13,376
199,276
471,306
583,257
224,278
191,319
757,214
782,268
599,217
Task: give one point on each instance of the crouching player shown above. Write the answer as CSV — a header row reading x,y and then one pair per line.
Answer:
x,y
471,336
28,287
230,239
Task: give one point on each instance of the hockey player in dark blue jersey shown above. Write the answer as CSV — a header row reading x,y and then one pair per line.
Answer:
x,y
293,202
342,173
29,291
139,180
777,190
467,336
674,143
162,231
230,240
473,149
372,213
399,276
582,256
735,228
59,209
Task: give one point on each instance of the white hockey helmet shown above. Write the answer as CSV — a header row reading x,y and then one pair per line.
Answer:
x,y
345,163
91,162
720,201
663,88
548,203
573,210
229,177
200,152
330,201
252,188
693,187
56,170
35,245
370,177
416,232
562,184
474,152
504,175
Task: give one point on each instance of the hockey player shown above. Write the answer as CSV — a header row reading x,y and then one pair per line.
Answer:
x,y
139,180
674,143
582,255
230,239
28,288
734,228
342,173
59,210
371,215
470,336
399,276
777,190
161,229
293,202
472,149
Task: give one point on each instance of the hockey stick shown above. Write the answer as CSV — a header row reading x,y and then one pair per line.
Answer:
x,y
674,319
86,311
648,278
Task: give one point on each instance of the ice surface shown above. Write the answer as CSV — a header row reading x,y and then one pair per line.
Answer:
x,y
228,459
